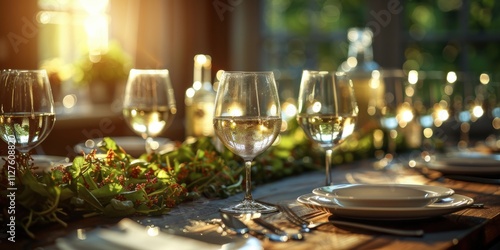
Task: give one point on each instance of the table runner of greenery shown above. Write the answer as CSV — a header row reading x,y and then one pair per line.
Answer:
x,y
116,184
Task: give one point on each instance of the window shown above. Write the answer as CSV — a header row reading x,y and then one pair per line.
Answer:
x,y
445,35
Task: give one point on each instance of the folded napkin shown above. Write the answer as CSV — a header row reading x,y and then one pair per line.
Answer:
x,y
129,235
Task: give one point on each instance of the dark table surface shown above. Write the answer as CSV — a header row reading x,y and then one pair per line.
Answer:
x,y
470,228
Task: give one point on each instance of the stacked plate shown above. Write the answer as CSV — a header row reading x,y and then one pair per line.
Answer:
x,y
466,163
43,163
386,201
133,145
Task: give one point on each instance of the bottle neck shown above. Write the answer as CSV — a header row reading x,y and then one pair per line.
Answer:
x,y
202,69
362,53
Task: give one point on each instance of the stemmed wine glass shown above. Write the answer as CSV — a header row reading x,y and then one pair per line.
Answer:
x,y
149,104
26,110
247,119
397,112
327,110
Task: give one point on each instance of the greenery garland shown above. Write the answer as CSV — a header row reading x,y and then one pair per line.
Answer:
x,y
116,184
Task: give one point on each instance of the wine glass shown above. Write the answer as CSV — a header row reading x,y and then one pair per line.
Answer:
x,y
397,112
327,110
149,104
26,110
247,119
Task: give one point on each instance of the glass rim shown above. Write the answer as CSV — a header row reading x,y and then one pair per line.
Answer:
x,y
247,72
149,70
325,72
25,70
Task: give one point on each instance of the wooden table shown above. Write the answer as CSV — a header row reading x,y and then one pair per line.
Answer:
x,y
470,228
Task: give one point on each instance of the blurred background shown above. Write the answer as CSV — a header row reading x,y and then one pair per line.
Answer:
x,y
89,46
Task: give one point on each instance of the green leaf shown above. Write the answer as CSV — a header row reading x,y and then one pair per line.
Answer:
x,y
117,208
88,197
108,190
76,167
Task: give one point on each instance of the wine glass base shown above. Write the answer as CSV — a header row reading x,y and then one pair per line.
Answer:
x,y
249,207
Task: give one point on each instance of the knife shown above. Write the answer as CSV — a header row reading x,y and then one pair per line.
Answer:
x,y
239,227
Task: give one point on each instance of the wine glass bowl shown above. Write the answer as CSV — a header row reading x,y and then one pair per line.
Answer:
x,y
396,113
247,120
26,109
327,110
149,103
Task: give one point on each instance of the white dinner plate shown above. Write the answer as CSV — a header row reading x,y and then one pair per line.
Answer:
x,y
465,163
472,159
383,195
444,206
133,145
44,162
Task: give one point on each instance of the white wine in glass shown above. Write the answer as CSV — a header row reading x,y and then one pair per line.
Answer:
x,y
26,109
327,110
247,119
149,104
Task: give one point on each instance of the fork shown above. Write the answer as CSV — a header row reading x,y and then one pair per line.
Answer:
x,y
307,226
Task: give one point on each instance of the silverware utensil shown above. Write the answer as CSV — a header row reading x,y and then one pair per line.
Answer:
x,y
308,226
274,229
239,227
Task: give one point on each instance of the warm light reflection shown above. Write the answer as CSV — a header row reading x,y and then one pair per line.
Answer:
x,y
69,101
96,27
496,123
451,77
440,114
378,138
405,115
273,110
153,231
202,59
352,62
448,89
428,133
316,107
477,111
190,92
197,85
289,110
235,110
218,75
484,78
375,80
81,234
413,77
409,91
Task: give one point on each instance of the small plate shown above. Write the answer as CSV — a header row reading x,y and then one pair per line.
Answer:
x,y
443,206
465,163
383,195
469,159
44,162
133,145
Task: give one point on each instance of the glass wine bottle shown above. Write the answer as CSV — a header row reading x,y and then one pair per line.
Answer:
x,y
366,77
200,99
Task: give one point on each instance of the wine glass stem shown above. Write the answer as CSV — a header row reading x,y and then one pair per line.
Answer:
x,y
24,161
328,165
149,149
248,181
391,148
